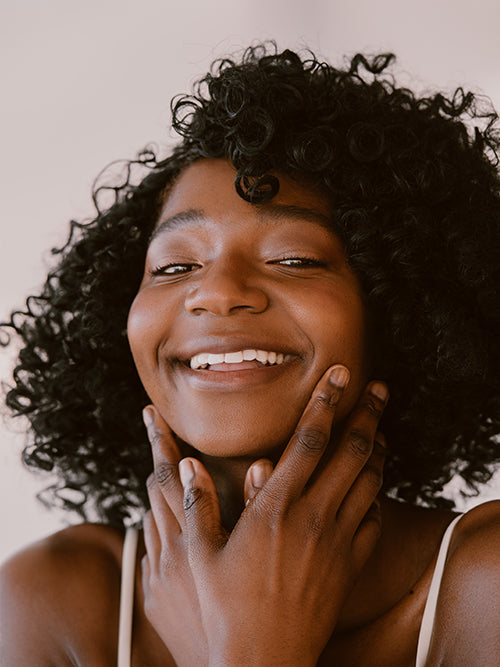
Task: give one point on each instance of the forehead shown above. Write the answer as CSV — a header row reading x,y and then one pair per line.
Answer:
x,y
206,189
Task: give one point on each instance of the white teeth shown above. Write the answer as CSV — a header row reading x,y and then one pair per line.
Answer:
x,y
205,359
215,359
233,357
261,356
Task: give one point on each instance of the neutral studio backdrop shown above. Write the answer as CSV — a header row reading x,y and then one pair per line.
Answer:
x,y
83,84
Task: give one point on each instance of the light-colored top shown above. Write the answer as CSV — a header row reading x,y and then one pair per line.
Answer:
x,y
127,597
427,625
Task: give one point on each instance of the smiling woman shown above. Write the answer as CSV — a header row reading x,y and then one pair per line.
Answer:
x,y
318,239
238,277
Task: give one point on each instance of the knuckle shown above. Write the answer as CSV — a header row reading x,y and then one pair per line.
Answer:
x,y
373,406
155,438
359,445
325,400
315,525
192,497
168,563
165,473
271,507
274,518
374,477
310,440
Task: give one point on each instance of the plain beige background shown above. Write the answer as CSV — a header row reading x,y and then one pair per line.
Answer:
x,y
83,84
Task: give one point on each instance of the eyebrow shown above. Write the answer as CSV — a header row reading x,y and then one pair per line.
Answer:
x,y
266,212
291,212
181,219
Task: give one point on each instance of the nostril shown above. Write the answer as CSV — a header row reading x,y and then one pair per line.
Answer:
x,y
226,299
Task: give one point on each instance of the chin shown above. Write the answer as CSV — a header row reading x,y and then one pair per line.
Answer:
x,y
240,427
235,440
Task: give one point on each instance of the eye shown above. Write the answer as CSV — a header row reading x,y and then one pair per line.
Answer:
x,y
174,269
299,262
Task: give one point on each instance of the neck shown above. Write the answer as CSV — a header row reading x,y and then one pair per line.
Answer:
x,y
229,479
229,475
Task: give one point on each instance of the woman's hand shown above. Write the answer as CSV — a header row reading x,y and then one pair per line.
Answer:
x,y
171,602
271,591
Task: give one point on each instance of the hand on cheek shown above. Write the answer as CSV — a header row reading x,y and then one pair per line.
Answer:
x,y
298,547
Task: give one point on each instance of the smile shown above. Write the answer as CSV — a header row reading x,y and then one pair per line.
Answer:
x,y
206,360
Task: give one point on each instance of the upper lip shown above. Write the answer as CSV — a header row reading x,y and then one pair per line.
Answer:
x,y
222,344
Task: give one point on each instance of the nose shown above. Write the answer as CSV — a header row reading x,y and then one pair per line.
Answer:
x,y
225,288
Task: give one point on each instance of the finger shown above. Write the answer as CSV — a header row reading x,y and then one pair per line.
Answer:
x,y
353,450
204,529
310,438
256,477
161,518
363,493
367,536
151,537
166,457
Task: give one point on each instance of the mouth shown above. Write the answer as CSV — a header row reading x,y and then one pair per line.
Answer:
x,y
232,362
236,360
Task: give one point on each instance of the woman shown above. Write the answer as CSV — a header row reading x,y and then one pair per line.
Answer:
x,y
319,238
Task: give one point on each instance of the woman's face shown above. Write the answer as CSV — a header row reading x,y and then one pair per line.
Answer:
x,y
237,281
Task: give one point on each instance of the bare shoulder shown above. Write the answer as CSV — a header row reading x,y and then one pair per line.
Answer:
x,y
55,593
467,625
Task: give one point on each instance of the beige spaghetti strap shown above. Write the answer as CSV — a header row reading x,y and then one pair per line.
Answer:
x,y
425,635
127,597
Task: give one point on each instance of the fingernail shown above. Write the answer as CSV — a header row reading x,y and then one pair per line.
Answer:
x,y
379,390
258,476
186,472
339,376
148,416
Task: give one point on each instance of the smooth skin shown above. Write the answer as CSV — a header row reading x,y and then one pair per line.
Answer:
x,y
268,541
297,548
223,275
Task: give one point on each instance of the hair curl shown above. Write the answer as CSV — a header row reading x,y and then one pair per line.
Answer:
x,y
414,192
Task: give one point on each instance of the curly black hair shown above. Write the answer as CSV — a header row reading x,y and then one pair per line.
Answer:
x,y
414,191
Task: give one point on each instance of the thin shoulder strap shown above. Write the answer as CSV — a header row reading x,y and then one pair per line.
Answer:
x,y
127,597
425,635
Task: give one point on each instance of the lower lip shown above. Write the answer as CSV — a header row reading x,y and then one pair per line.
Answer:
x,y
234,376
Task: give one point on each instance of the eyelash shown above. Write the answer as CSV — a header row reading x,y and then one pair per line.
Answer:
x,y
305,262
163,268
298,262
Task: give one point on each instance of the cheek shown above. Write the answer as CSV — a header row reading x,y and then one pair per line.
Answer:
x,y
338,325
335,317
333,321
142,335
